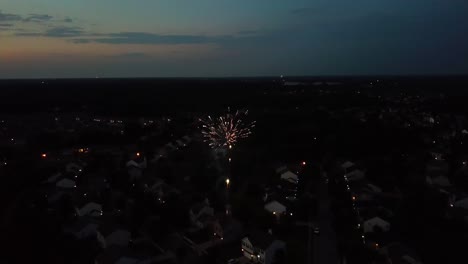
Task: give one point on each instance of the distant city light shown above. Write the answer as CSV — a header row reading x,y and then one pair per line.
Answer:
x,y
138,154
44,155
304,163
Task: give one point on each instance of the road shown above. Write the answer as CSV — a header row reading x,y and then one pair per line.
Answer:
x,y
325,246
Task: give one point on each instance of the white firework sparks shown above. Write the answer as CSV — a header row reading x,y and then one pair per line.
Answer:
x,y
226,130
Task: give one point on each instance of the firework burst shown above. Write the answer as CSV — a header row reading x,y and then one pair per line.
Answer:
x,y
227,129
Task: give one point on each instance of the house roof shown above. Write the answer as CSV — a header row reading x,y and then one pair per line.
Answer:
x,y
275,206
355,175
110,255
126,260
281,169
289,176
260,239
346,165
65,183
54,177
118,237
90,207
462,203
377,221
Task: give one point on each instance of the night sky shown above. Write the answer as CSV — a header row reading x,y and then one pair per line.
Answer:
x,y
190,38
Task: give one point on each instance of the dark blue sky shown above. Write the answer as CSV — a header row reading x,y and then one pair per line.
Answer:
x,y
167,38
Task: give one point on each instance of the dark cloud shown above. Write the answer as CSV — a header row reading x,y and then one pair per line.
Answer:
x,y
68,20
149,38
131,55
63,32
55,32
21,33
5,17
37,18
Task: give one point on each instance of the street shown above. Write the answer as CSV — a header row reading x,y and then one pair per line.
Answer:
x,y
325,246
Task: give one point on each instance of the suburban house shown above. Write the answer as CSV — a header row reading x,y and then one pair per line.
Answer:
x,y
54,178
463,203
108,236
73,167
290,177
355,175
180,144
91,209
371,224
81,229
66,183
281,169
397,253
347,166
275,208
259,247
135,169
201,214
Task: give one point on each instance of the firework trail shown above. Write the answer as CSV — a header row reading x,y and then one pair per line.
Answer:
x,y
226,130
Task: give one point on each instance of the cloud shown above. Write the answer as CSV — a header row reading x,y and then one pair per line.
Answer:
x,y
37,18
150,38
55,32
6,25
28,34
68,20
131,55
63,32
5,17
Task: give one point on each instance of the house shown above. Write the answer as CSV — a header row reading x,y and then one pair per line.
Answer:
x,y
347,166
54,178
187,139
226,227
73,167
171,146
91,209
463,203
81,229
275,208
201,214
373,188
109,236
290,177
66,184
180,144
397,253
281,169
135,169
376,222
141,252
259,247
355,175
440,181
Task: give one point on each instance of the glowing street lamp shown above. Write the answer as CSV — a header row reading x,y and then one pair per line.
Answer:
x,y
44,155
304,163
228,182
138,154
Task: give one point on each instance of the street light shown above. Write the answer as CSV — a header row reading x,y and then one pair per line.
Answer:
x,y
227,182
